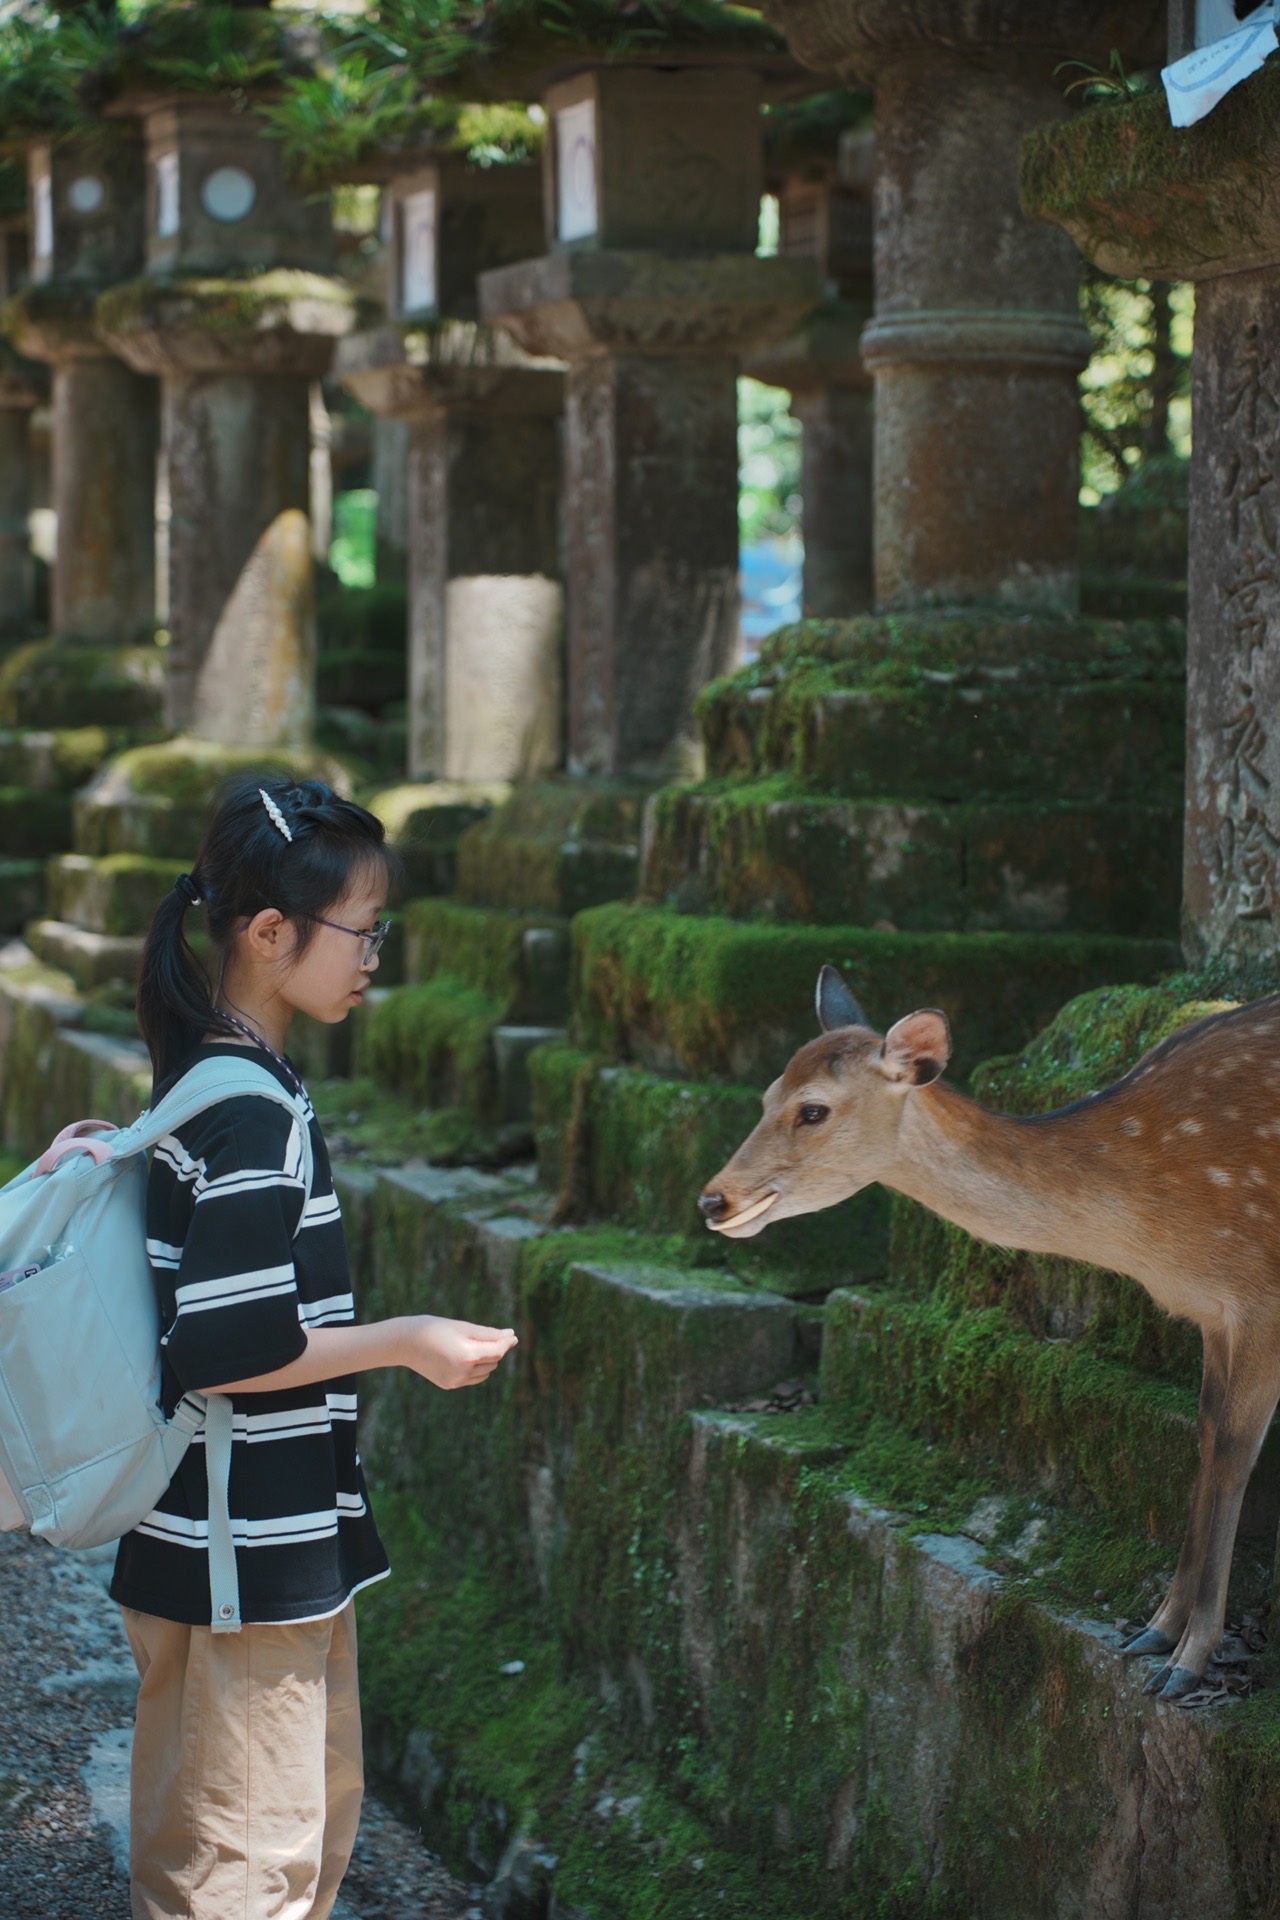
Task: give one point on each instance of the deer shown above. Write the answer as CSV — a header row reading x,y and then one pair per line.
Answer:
x,y
1171,1176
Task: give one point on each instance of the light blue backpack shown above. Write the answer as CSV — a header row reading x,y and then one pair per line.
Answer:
x,y
85,1449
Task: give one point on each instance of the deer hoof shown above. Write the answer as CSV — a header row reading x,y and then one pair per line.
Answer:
x,y
1156,1683
1150,1640
1181,1681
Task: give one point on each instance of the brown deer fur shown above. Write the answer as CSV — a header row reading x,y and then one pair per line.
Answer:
x,y
1172,1176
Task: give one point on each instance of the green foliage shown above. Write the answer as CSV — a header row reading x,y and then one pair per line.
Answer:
x,y
768,463
1136,389
352,552
1105,83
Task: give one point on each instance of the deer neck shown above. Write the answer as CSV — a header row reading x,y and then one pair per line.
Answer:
x,y
1035,1185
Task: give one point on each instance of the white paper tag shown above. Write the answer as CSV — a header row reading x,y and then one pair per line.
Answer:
x,y
1199,80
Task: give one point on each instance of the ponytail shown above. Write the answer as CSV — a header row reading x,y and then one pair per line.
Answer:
x,y
272,842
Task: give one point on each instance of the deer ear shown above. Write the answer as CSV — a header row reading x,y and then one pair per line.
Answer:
x,y
916,1049
836,1005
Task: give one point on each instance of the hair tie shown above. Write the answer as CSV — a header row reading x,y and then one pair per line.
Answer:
x,y
274,814
186,886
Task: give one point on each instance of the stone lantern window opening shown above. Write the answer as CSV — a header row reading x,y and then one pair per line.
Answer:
x,y
419,243
228,194
86,194
166,179
577,199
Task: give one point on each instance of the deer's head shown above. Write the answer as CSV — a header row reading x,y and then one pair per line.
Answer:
x,y
831,1122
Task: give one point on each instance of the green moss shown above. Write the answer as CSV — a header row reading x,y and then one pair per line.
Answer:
x,y
1140,195
555,847
363,1122
434,1044
62,685
713,996
520,961
255,303
189,772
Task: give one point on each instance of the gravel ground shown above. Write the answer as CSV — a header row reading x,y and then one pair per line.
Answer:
x,y
66,1694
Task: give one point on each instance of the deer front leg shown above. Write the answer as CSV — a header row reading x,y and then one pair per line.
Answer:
x,y
1253,1386
1168,1623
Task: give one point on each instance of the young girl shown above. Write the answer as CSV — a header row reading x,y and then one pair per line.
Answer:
x,y
247,1775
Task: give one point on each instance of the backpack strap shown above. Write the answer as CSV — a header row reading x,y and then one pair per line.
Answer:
x,y
201,1087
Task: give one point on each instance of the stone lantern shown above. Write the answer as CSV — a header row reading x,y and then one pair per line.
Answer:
x,y
824,214
1144,199
238,315
650,291
976,342
486,608
87,233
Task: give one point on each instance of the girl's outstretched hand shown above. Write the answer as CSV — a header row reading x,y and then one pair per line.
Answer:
x,y
453,1353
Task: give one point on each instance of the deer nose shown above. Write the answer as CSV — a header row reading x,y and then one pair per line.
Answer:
x,y
712,1205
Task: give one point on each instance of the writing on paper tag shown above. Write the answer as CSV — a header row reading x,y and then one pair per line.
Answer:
x,y
1199,80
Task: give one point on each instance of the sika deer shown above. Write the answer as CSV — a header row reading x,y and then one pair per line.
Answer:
x,y
1170,1176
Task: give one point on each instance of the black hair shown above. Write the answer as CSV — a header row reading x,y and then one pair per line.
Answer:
x,y
246,863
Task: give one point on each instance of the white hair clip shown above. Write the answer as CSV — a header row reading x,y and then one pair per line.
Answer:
x,y
274,814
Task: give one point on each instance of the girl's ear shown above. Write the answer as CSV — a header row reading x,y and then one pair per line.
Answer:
x,y
265,934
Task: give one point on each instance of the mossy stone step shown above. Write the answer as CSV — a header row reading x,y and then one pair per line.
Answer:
x,y
1118,740
424,822
624,1145
555,847
116,894
59,684
770,848
441,1044
90,959
22,893
707,996
521,960
56,760
33,823
155,800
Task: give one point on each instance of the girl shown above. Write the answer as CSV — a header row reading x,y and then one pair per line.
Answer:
x,y
247,1775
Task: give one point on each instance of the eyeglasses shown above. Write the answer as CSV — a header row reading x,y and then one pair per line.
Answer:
x,y
373,937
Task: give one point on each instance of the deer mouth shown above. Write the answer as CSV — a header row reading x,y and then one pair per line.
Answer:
x,y
747,1214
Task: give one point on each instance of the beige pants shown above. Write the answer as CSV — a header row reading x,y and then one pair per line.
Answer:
x,y
247,1772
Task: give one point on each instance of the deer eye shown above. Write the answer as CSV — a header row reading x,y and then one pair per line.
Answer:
x,y
812,1116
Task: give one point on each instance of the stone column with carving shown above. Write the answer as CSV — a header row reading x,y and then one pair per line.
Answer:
x,y
237,348
1146,200
87,232
652,295
976,341
823,187
486,607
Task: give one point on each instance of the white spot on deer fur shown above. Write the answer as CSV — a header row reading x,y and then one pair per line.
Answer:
x,y
1190,1126
1219,1176
1131,1126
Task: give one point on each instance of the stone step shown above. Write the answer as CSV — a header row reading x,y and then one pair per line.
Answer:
x,y
22,893
59,684
91,959
1120,740
555,847
520,960
705,996
33,823
116,894
637,1148
56,760
769,848
425,821
448,1043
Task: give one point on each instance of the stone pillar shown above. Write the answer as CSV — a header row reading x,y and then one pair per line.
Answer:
x,y
976,342
652,294
21,389
1162,219
390,480
237,349
87,233
824,214
486,608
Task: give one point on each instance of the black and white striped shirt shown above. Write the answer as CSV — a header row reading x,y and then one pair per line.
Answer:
x,y
238,1293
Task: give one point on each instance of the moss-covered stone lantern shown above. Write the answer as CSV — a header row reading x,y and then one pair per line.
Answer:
x,y
822,179
237,313
24,385
486,607
1145,199
86,233
651,292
